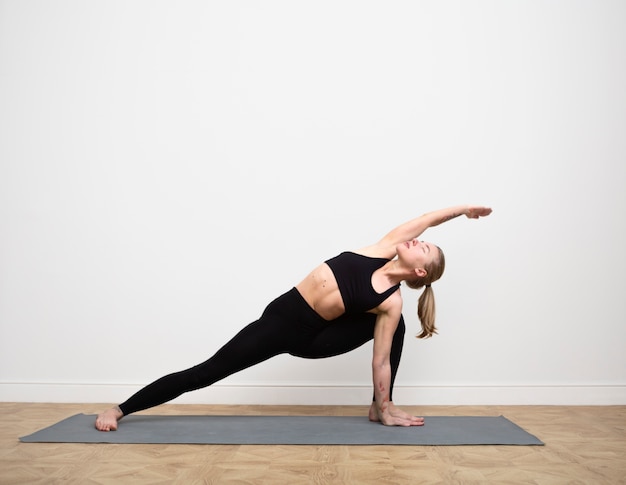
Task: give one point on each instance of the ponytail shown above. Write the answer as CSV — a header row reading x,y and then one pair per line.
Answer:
x,y
426,312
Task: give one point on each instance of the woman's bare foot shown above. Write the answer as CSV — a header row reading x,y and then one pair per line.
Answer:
x,y
107,421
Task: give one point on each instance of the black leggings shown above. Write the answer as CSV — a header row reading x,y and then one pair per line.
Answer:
x,y
288,325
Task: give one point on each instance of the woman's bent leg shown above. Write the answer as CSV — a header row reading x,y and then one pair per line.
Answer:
x,y
348,333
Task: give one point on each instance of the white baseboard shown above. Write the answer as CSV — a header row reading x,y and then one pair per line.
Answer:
x,y
598,395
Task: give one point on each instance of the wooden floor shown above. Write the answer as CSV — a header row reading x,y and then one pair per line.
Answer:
x,y
583,445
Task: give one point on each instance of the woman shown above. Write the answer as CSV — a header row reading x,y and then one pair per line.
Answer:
x,y
343,303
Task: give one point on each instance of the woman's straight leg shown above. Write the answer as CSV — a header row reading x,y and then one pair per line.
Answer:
x,y
279,329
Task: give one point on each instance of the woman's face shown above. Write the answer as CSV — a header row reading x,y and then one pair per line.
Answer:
x,y
417,254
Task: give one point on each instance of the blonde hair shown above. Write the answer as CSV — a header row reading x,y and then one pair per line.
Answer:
x,y
426,302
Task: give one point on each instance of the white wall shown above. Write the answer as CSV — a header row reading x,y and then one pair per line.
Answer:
x,y
169,167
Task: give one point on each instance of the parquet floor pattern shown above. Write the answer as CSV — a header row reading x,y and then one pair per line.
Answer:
x,y
583,445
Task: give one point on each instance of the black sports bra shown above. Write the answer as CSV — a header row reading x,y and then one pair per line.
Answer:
x,y
353,273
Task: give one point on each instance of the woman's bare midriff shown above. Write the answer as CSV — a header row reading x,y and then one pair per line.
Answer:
x,y
320,290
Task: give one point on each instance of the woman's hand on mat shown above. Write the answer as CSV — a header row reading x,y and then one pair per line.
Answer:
x,y
393,416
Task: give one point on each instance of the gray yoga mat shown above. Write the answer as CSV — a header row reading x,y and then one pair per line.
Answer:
x,y
287,430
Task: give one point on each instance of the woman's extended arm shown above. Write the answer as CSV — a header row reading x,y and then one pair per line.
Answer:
x,y
413,228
